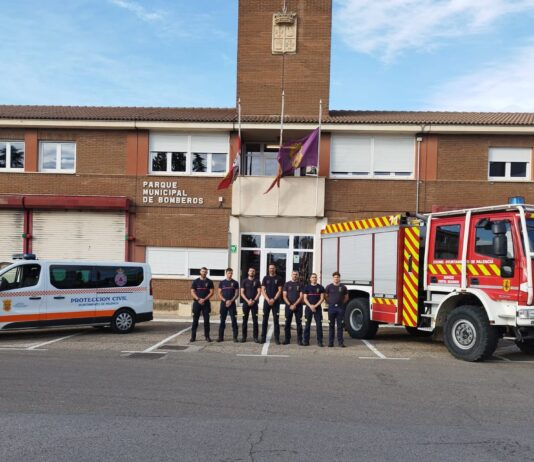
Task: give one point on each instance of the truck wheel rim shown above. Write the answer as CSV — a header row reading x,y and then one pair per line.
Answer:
x,y
356,319
464,334
124,321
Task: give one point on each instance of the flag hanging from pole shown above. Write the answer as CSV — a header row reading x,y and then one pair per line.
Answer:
x,y
234,170
297,154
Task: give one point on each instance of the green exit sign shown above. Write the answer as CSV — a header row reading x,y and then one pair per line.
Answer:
x,y
233,248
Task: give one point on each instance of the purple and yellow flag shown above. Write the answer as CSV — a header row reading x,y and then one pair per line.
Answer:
x,y
297,154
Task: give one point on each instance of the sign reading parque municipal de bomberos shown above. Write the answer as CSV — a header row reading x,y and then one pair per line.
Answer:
x,y
167,193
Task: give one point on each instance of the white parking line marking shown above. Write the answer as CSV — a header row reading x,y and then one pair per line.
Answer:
x,y
164,341
36,346
265,349
264,356
392,359
373,349
21,349
502,358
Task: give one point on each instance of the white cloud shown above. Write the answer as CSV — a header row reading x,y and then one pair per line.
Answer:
x,y
140,11
388,27
503,85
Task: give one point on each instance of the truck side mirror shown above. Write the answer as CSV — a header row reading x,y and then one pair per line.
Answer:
x,y
500,245
498,227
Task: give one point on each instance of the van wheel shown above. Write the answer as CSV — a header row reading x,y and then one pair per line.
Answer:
x,y
123,322
526,346
468,334
358,319
415,332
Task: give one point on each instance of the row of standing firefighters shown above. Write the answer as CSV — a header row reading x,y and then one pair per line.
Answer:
x,y
298,298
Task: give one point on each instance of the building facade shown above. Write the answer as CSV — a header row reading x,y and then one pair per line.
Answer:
x,y
140,184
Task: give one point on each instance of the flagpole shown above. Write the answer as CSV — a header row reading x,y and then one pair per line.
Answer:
x,y
281,143
318,156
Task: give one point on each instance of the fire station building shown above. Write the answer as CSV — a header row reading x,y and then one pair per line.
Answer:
x,y
140,184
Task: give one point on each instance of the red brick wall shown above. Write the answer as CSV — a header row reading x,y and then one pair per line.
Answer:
x,y
306,73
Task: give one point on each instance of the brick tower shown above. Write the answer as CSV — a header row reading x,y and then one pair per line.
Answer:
x,y
284,49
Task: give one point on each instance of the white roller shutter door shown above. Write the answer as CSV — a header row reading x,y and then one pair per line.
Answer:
x,y
11,229
80,235
355,258
329,259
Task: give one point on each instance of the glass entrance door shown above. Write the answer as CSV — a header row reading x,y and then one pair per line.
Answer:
x,y
280,260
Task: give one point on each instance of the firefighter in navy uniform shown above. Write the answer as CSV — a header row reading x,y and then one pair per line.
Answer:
x,y
313,299
250,294
228,293
336,296
271,288
292,295
201,291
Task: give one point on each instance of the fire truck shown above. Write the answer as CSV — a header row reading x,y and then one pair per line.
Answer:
x,y
465,275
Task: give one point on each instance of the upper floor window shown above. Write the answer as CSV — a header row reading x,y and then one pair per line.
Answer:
x,y
356,156
509,164
11,156
261,159
205,154
57,157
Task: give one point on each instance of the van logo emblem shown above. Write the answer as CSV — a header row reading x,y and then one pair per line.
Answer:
x,y
120,278
7,305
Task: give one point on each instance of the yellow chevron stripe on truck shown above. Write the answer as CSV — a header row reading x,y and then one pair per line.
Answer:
x,y
410,290
473,269
347,226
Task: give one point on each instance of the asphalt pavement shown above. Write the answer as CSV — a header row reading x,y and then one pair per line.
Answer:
x,y
87,394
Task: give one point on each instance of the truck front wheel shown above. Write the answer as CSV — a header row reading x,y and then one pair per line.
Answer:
x,y
468,334
358,319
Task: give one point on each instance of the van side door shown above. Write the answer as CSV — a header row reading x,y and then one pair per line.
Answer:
x,y
22,296
71,297
119,287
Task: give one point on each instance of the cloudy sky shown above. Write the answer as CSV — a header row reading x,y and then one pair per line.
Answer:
x,y
464,55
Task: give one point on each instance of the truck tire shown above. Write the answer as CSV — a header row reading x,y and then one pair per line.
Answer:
x,y
415,332
123,321
468,334
358,319
526,346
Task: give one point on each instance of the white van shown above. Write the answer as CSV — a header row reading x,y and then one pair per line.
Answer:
x,y
47,293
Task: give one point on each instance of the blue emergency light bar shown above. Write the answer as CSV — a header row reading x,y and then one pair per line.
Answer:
x,y
24,256
516,200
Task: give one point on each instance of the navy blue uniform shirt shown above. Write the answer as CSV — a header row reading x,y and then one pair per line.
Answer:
x,y
293,289
313,292
271,284
229,288
202,287
250,287
336,294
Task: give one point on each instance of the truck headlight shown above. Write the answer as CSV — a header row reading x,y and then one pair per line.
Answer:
x,y
522,314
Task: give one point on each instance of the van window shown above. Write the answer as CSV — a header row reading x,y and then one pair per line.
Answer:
x,y
19,277
118,276
71,276
447,242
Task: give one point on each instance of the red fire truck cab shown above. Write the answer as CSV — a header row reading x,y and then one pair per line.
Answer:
x,y
467,273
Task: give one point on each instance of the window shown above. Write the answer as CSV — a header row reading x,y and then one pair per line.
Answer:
x,y
197,154
71,277
58,157
260,160
484,239
509,164
11,156
118,276
354,156
19,277
447,242
184,262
